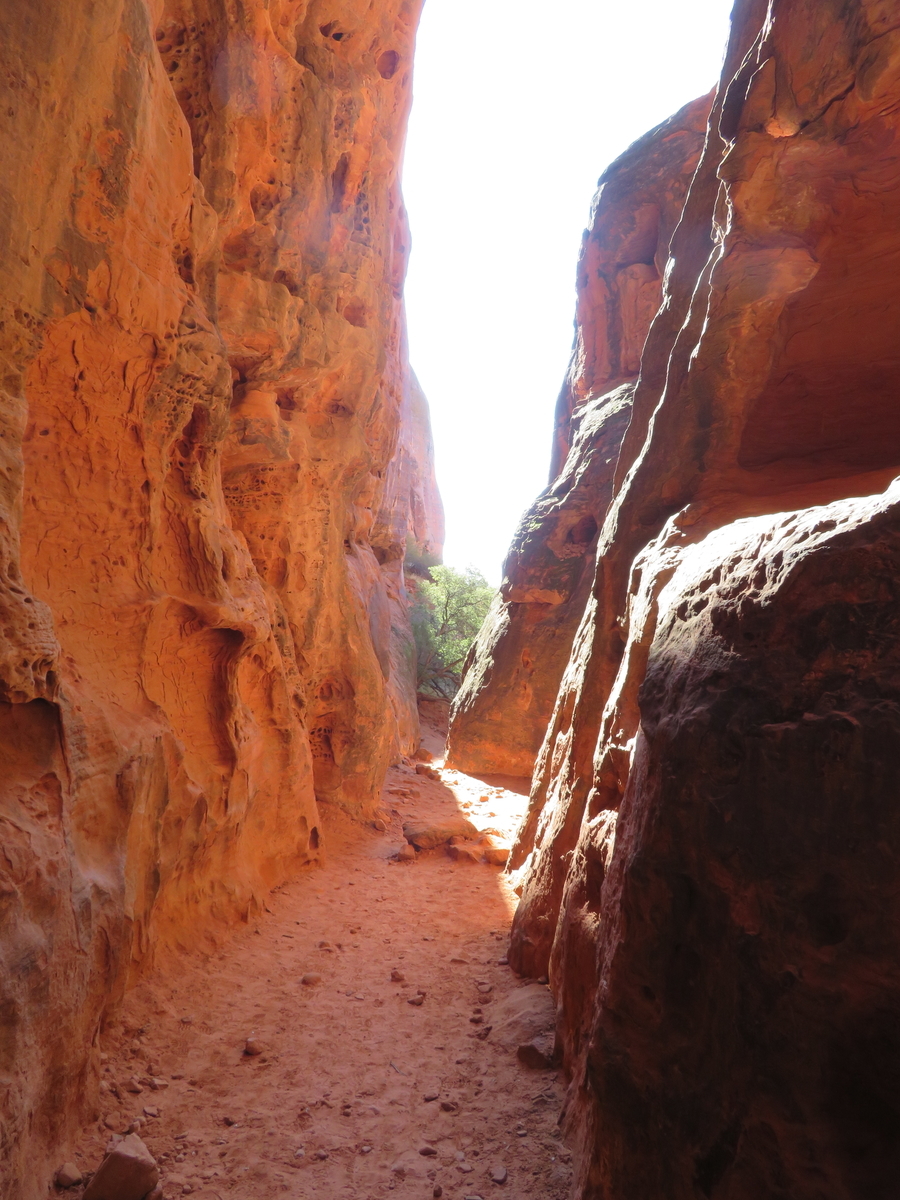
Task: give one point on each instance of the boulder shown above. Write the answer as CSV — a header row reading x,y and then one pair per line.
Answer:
x,y
129,1172
68,1176
465,853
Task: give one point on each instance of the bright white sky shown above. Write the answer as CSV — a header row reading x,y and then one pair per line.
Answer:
x,y
519,105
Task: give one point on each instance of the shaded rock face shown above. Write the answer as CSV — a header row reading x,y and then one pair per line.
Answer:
x,y
743,1039
501,712
213,459
709,863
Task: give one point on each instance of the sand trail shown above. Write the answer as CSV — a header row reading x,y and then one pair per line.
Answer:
x,y
356,1093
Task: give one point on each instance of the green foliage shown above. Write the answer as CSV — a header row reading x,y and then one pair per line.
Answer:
x,y
446,614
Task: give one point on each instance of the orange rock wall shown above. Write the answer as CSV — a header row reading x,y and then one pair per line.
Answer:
x,y
709,865
214,457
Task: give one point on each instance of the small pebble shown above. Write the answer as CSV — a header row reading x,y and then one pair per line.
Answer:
x,y
418,1001
427,1151
499,1175
321,1155
502,962
380,825
132,1085
365,1149
437,1191
397,976
311,978
150,1111
431,1096
253,1046
299,1152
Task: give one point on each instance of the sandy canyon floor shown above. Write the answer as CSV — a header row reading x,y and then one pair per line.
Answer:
x,y
355,1092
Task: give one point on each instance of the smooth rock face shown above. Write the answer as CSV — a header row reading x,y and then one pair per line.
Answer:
x,y
513,674
214,457
709,865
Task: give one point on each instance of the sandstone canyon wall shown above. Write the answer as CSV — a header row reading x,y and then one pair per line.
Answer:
x,y
214,457
709,865
501,712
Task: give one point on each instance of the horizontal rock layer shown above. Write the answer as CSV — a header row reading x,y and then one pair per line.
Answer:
x,y
710,860
214,457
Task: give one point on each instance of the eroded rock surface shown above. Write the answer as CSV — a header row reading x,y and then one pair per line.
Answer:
x,y
213,459
741,1040
709,864
501,712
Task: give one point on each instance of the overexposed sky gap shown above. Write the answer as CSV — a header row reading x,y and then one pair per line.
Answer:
x,y
518,107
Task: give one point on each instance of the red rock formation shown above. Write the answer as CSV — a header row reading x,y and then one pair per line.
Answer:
x,y
213,457
741,1040
711,856
506,700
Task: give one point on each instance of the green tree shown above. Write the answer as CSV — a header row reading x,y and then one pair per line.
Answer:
x,y
446,614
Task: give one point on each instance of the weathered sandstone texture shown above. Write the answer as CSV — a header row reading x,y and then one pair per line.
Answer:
x,y
512,677
710,861
212,459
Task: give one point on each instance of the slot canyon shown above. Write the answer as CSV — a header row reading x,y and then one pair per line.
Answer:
x,y
622,922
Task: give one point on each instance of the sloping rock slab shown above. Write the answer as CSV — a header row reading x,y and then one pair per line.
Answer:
x,y
427,836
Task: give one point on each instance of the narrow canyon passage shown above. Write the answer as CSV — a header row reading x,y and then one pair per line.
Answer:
x,y
359,1089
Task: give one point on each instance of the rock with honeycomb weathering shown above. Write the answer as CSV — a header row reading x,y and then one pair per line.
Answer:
x,y
214,458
